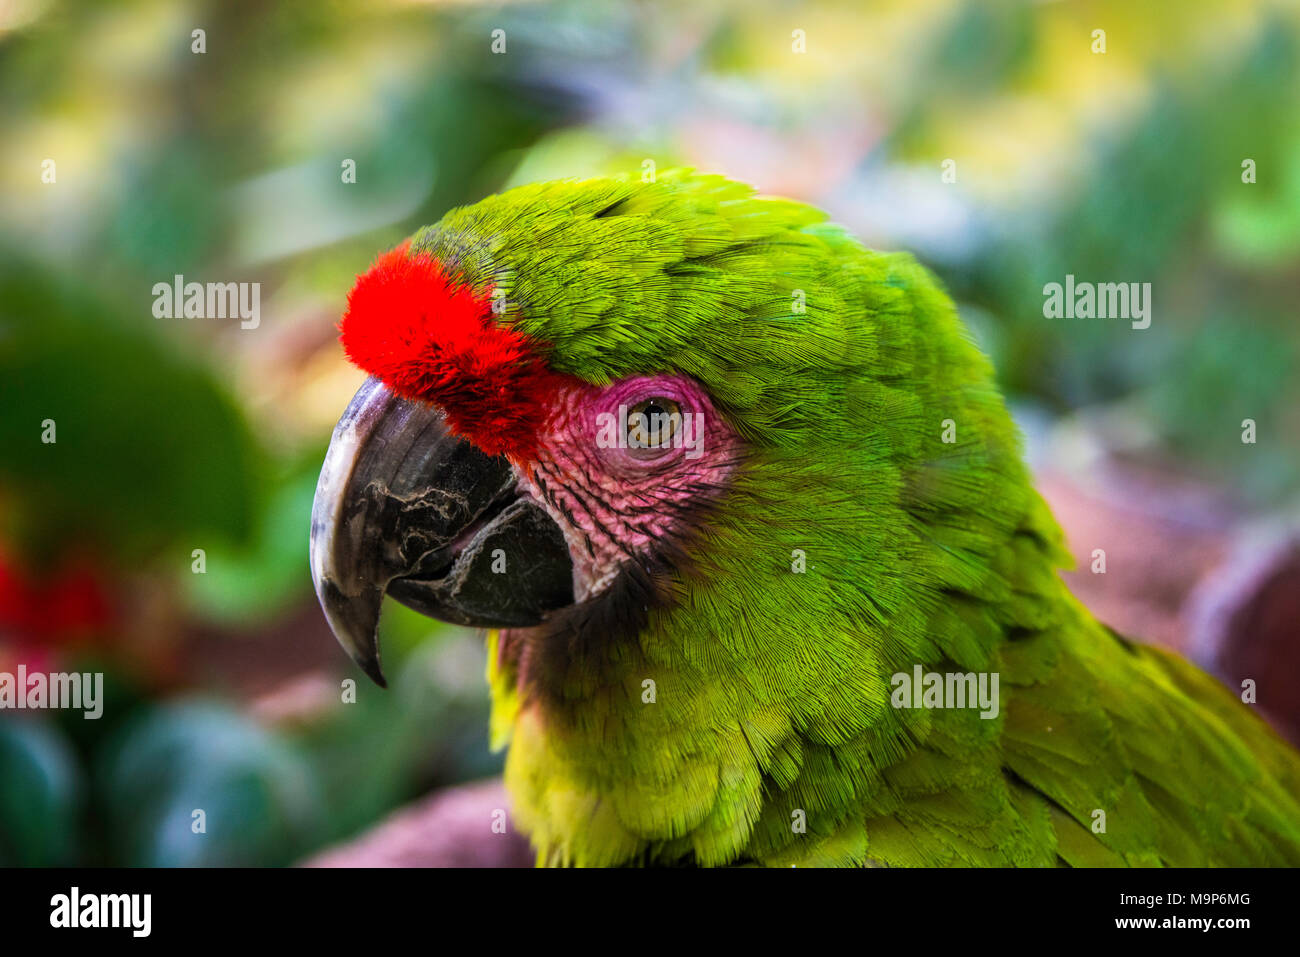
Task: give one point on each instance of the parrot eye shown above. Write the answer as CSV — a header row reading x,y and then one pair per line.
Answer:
x,y
652,423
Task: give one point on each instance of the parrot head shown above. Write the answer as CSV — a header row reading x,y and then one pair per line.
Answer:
x,y
480,481
666,435
564,379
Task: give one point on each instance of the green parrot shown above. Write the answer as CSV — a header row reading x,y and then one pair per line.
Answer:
x,y
765,576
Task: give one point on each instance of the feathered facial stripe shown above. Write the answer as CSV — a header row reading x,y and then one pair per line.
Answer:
x,y
430,337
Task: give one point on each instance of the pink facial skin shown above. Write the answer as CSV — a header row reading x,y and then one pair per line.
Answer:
x,y
614,503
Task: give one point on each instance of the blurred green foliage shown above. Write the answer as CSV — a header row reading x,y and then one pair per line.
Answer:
x,y
146,442
40,796
191,769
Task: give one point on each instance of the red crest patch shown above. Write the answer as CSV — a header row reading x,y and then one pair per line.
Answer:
x,y
430,337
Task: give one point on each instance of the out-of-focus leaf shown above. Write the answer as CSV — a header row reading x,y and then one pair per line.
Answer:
x,y
149,451
40,795
259,797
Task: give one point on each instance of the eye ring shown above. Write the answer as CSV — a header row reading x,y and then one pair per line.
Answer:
x,y
652,423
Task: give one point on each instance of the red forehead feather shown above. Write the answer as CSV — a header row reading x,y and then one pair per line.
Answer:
x,y
429,337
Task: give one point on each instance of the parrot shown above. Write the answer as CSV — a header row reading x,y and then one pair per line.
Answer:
x,y
763,574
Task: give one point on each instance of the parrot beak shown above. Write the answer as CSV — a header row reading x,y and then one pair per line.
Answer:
x,y
406,508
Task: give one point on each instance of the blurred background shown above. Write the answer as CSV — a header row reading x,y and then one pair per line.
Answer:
x,y
161,539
